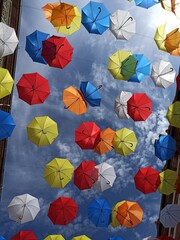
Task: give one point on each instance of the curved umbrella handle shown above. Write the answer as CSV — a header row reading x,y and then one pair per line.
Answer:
x,y
97,14
129,18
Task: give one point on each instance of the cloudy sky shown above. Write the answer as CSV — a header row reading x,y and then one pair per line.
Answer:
x,y
25,162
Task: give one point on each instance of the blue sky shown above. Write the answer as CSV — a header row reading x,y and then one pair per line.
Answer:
x,y
25,162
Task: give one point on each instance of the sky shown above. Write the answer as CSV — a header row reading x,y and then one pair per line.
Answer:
x,y
25,162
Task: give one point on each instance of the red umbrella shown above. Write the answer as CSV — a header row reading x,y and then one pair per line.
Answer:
x,y
85,175
57,51
62,211
139,107
33,88
147,180
24,235
178,81
165,238
86,134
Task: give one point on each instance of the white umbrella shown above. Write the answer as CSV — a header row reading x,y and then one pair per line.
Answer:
x,y
120,106
106,177
170,215
8,40
122,25
23,208
163,74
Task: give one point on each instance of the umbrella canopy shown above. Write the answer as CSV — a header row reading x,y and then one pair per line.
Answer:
x,y
54,237
95,17
85,175
7,125
86,134
168,182
146,3
33,88
24,235
99,212
34,45
160,37
57,51
23,208
115,222
139,107
6,83
124,141
120,106
172,40
58,172
147,180
106,177
42,131
122,25
8,40
170,215
173,114
81,237
62,211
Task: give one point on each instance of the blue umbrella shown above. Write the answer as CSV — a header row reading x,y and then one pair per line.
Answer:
x,y
115,238
34,45
165,147
146,3
99,212
7,125
143,68
90,93
95,17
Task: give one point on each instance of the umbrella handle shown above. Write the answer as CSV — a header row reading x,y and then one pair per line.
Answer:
x,y
97,14
171,70
129,18
71,104
100,86
68,27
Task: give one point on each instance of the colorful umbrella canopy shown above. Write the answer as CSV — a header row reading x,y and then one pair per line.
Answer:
x,y
6,83
54,237
170,215
48,9
62,211
58,172
86,134
7,125
85,175
24,235
42,131
160,37
120,106
95,17
139,107
115,223
57,51
168,182
81,237
146,3
147,180
99,212
124,141
23,208
172,40
173,114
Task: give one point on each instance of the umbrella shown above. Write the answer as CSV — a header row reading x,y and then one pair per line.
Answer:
x,y
81,237
160,37
54,237
99,212
120,106
172,40
8,40
170,215
173,114
95,17
124,142
103,143
146,3
7,125
139,107
163,74
33,88
24,235
42,130
147,180
57,51
122,25
23,208
115,222
48,9
6,83
34,45
115,238
165,147
86,134
85,175
106,177
62,211
58,172
168,182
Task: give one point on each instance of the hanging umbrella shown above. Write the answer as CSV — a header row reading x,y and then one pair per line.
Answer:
x,y
147,180
170,215
54,237
7,125
81,237
106,177
168,182
122,25
99,212
95,17
33,88
160,37
62,211
58,172
57,51
86,134
48,9
120,106
172,40
146,3
6,83
8,40
42,130
24,235
124,142
23,208
173,114
115,222
115,238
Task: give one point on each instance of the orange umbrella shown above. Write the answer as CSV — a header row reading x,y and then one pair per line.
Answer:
x,y
172,40
48,9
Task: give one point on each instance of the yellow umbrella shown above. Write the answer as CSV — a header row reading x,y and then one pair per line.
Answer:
x,y
81,237
115,222
160,37
42,131
54,237
173,114
58,172
168,182
6,83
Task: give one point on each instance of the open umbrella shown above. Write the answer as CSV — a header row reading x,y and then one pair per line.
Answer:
x,y
115,223
170,215
81,237
173,114
54,237
160,37
168,182
172,40
7,125
146,3
24,235
6,83
120,106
